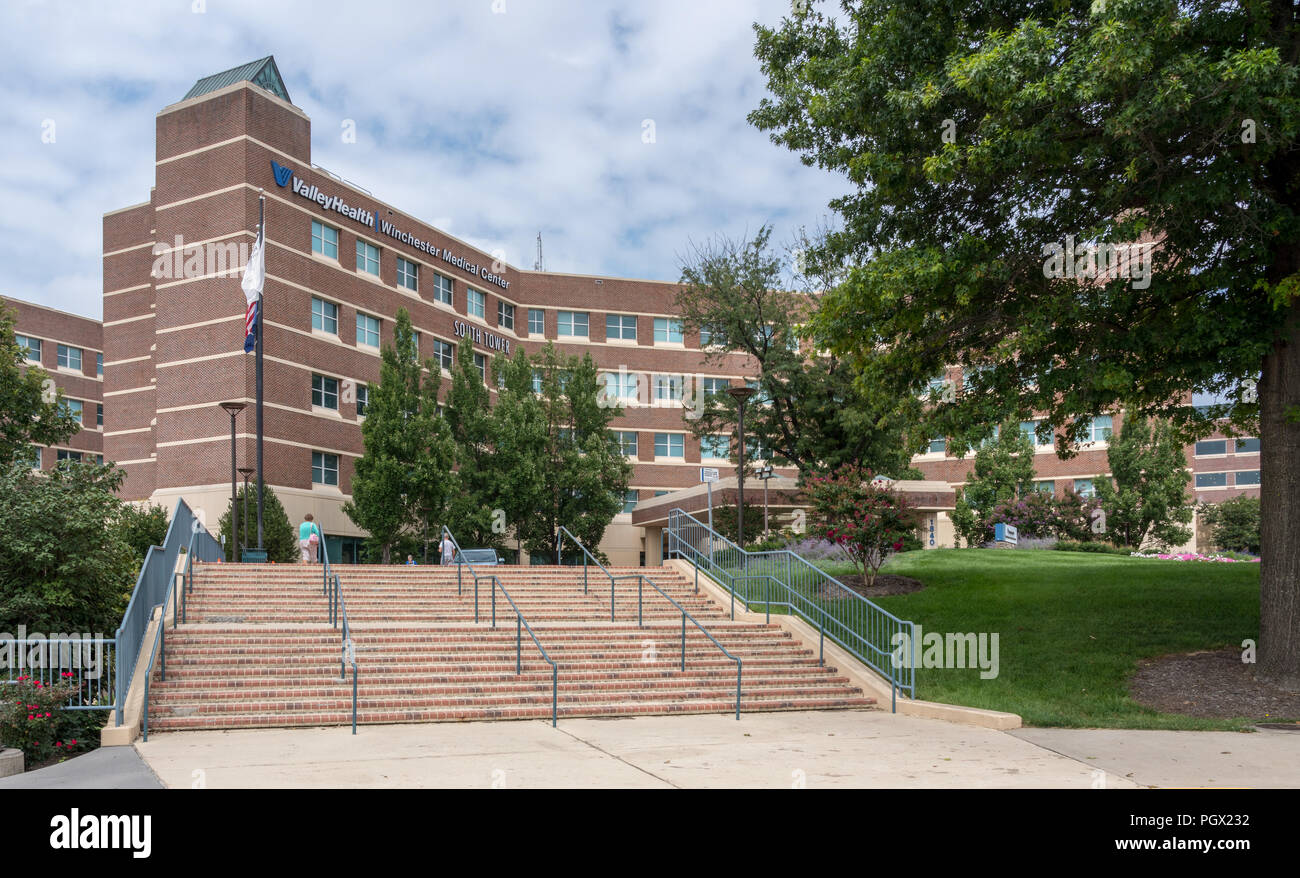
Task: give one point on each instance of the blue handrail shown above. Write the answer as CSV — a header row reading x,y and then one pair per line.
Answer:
x,y
339,611
869,632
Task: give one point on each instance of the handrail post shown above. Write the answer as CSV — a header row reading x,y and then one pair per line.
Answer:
x,y
519,633
555,689
354,698
640,579
475,600
162,636
611,599
584,574
683,640
767,598
494,600
738,690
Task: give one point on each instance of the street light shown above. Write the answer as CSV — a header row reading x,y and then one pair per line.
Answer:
x,y
233,408
245,471
741,395
765,473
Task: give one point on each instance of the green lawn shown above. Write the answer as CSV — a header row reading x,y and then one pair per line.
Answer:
x,y
1073,626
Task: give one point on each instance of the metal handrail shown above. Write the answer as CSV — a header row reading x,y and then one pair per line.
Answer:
x,y
461,562
641,578
880,625
559,545
339,611
522,623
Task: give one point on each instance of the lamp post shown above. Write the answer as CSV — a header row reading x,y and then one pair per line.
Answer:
x,y
233,408
741,395
246,471
765,473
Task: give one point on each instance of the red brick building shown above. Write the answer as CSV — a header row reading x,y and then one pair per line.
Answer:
x,y
339,265
70,348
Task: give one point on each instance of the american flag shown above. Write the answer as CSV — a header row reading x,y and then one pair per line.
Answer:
x,y
254,278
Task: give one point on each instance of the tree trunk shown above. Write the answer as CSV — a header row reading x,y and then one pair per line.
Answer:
x,y
1279,574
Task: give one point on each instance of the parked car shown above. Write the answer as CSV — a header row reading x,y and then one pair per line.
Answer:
x,y
479,557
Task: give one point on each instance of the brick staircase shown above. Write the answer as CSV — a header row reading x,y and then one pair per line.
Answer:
x,y
257,651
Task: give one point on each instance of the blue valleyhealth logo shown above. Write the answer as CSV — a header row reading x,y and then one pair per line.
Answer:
x,y
282,174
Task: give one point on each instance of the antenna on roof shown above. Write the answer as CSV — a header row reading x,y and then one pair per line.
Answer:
x,y
537,266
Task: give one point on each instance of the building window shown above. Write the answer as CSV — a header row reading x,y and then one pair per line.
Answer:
x,y
99,459
1248,446
1099,428
756,450
367,330
442,288
536,321
537,381
324,316
629,500
415,342
1211,480
36,457
32,347
408,274
72,407
475,303
625,442
572,323
324,468
620,385
363,399
937,446
99,414
1213,446
1047,486
669,445
717,447
1248,477
1030,429
620,327
99,365
505,315
668,331
367,258
760,396
325,392
63,455
324,239
715,386
480,363
1085,488
668,388
991,440
444,353
69,357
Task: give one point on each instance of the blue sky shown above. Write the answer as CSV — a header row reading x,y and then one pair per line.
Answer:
x,y
490,119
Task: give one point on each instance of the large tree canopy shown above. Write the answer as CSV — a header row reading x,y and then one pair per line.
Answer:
x,y
990,143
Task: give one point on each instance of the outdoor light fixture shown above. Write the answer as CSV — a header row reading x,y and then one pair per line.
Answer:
x,y
233,408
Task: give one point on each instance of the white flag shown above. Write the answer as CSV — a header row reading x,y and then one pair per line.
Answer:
x,y
254,272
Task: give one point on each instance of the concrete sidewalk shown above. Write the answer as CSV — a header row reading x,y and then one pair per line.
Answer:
x,y
1180,759
108,768
817,749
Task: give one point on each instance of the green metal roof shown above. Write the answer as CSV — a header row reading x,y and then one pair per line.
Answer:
x,y
262,72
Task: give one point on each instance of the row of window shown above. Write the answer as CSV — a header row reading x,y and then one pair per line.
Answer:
x,y
69,357
62,454
1099,429
1212,447
1241,478
674,445
76,408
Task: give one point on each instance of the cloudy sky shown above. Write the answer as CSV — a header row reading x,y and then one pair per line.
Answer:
x,y
490,120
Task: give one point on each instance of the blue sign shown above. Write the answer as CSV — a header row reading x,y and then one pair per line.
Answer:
x,y
1005,533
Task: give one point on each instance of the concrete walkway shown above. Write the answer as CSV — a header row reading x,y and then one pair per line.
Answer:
x,y
819,749
108,768
1180,759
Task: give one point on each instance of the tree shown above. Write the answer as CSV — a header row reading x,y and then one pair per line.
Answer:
x,y
403,479
578,478
279,536
1004,470
1235,523
1148,499
65,563
472,512
807,410
868,521
31,406
990,146
143,526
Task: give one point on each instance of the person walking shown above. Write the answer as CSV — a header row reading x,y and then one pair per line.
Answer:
x,y
308,540
446,548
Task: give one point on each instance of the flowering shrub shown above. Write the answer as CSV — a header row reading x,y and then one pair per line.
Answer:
x,y
32,719
1194,556
867,522
1033,515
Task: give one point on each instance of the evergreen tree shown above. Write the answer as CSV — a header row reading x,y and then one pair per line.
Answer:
x,y
1148,499
472,514
279,535
401,483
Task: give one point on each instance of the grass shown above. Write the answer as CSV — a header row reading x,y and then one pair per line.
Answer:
x,y
1072,627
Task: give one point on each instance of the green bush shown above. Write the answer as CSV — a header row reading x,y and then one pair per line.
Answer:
x,y
279,536
1234,523
1097,548
32,719
143,526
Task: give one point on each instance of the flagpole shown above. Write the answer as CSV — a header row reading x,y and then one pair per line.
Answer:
x,y
261,324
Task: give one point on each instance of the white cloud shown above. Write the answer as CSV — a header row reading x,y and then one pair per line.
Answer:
x,y
489,126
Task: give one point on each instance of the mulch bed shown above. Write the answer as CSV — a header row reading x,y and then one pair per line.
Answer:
x,y
1213,685
885,584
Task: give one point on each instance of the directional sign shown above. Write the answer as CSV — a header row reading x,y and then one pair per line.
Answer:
x,y
1005,533
708,474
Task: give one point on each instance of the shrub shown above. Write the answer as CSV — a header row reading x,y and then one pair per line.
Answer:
x,y
867,521
1033,515
279,537
1096,547
32,719
1234,523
